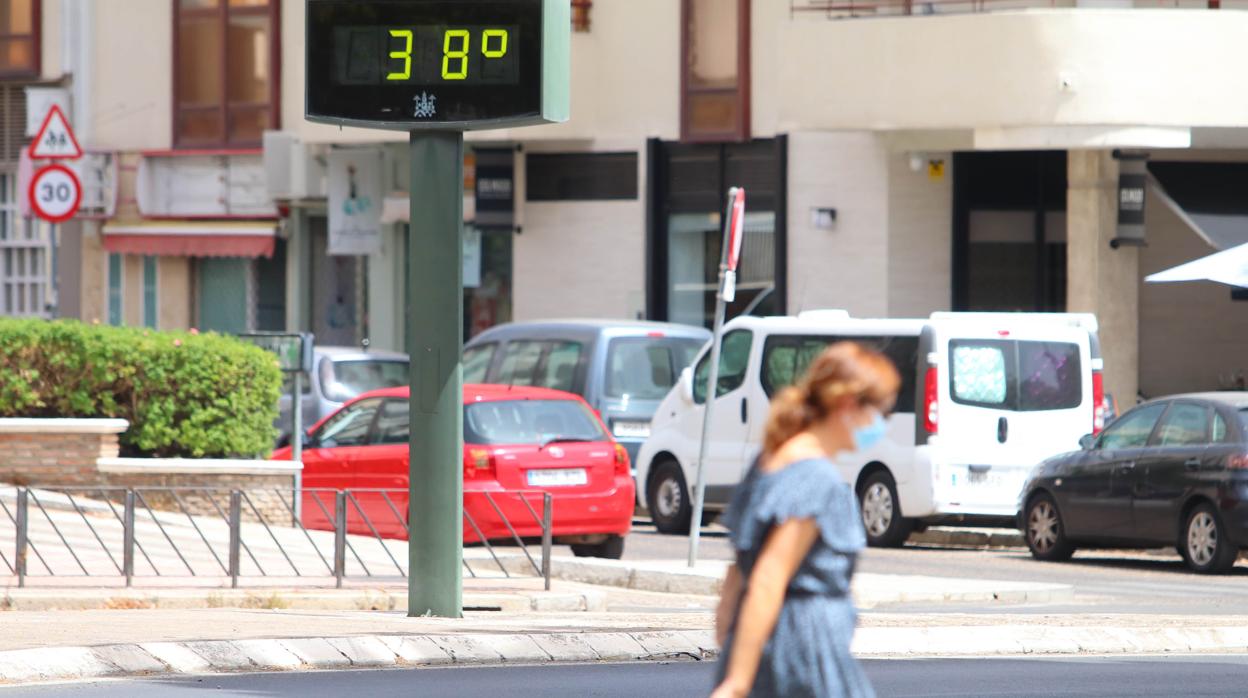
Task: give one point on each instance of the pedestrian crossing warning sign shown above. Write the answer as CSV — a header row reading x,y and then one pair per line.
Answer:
x,y
55,138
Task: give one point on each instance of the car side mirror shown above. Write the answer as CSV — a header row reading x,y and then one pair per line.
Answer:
x,y
686,385
1087,442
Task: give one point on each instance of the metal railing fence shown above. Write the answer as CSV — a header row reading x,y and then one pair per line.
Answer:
x,y
171,532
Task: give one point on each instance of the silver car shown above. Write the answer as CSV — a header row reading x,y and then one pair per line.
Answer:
x,y
623,369
339,374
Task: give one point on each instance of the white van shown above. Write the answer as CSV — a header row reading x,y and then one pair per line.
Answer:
x,y
984,397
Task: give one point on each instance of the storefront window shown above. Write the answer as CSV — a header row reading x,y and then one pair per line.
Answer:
x,y
695,248
487,279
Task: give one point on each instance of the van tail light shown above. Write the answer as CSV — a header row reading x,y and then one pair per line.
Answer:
x,y
931,412
478,463
622,466
1098,402
1238,461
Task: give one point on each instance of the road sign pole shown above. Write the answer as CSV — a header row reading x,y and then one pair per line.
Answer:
x,y
296,440
729,254
435,320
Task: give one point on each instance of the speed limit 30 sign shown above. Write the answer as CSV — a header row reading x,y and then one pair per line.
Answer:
x,y
55,193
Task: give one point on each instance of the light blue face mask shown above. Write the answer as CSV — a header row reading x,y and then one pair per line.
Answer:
x,y
871,434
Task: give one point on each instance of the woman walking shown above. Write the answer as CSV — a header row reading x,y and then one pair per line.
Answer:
x,y
786,618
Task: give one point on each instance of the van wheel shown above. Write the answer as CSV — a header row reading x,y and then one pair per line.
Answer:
x,y
668,499
881,512
1046,535
1205,546
612,548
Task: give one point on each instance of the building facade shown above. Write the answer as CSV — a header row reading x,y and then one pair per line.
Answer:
x,y
899,158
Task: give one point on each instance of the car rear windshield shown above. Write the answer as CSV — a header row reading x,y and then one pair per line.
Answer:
x,y
1023,376
646,368
343,380
530,422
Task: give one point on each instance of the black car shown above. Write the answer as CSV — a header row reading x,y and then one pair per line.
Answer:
x,y
1172,471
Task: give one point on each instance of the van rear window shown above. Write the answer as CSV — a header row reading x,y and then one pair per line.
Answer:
x,y
786,358
1021,376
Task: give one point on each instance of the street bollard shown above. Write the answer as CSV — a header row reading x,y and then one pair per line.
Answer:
x,y
236,535
127,539
546,538
23,496
340,537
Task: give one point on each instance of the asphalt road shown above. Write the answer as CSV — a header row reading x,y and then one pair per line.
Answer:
x,y
1094,676
1105,581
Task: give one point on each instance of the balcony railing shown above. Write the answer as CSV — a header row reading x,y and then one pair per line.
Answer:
x,y
847,9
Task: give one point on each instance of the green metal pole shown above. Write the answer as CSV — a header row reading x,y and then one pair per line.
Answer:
x,y
435,338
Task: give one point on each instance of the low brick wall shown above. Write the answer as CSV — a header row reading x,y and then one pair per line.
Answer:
x,y
56,451
269,485
66,454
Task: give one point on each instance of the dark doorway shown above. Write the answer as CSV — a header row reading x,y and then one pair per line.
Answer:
x,y
688,185
1009,231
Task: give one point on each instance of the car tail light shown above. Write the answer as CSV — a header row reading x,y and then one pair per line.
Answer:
x,y
621,461
1098,402
478,463
1238,461
931,385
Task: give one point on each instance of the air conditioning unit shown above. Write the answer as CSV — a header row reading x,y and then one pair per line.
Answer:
x,y
292,169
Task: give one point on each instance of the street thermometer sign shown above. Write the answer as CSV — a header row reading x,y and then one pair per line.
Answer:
x,y
437,64
437,68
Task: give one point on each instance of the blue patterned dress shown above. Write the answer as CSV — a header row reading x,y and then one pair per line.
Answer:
x,y
808,653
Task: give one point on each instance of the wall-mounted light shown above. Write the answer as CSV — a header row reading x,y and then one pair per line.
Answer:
x,y
823,218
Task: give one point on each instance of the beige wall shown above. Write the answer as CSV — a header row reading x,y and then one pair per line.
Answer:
x,y
173,294
50,39
579,259
94,274
1192,336
132,76
846,267
1006,69
920,236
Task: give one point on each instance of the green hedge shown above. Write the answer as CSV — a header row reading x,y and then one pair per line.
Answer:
x,y
184,393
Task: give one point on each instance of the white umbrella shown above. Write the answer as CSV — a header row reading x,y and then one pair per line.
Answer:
x,y
1228,267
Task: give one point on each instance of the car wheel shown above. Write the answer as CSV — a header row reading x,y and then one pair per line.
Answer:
x,y
1046,536
881,512
668,499
612,548
1204,545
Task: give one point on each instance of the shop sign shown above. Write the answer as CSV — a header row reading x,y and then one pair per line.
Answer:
x,y
355,202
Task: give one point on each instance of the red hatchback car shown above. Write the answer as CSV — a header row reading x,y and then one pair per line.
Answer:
x,y
518,443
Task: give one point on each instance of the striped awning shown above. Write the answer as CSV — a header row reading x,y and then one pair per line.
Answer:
x,y
192,238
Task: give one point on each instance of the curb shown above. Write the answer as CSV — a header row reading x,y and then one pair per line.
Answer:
x,y
394,651
260,598
969,537
362,651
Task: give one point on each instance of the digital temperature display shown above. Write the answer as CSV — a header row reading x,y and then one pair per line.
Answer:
x,y
436,63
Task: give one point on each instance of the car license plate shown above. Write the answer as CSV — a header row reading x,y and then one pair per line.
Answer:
x,y
984,478
564,477
631,430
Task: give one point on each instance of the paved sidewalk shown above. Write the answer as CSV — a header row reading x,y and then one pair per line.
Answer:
x,y
511,595
870,590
